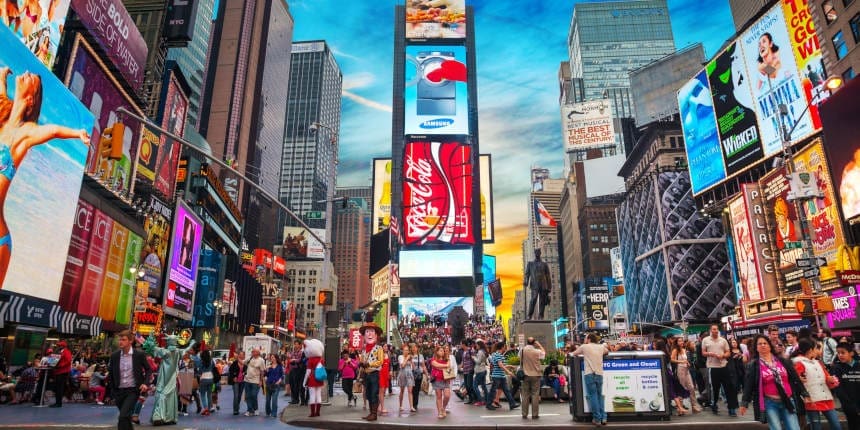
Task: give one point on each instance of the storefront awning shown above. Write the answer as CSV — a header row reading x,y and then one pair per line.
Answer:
x,y
19,309
72,323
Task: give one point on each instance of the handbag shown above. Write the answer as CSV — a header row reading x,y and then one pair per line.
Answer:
x,y
320,373
521,375
449,373
425,386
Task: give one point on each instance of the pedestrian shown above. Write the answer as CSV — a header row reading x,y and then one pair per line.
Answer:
x,y
530,363
480,387
454,370
703,377
348,368
717,351
440,378
98,388
592,353
829,346
61,372
498,372
467,367
371,362
847,369
791,343
207,379
297,372
773,334
255,368
141,400
771,382
406,378
737,363
384,377
681,358
314,351
129,373
419,371
676,390
236,379
274,380
818,383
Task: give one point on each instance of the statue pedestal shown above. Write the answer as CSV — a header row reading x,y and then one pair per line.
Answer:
x,y
542,331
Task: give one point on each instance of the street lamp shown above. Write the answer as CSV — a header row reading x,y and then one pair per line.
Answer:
x,y
314,127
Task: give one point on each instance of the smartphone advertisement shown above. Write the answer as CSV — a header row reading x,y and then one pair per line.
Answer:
x,y
184,256
436,97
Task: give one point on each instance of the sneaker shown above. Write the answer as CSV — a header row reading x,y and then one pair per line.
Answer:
x,y
479,404
100,403
491,407
247,414
256,413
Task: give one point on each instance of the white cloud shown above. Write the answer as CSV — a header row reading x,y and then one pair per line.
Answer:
x,y
358,80
366,102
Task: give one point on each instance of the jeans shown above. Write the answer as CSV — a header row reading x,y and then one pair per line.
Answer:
x,y
594,393
238,388
251,392
814,418
481,385
469,383
555,383
416,390
331,376
125,400
778,417
272,391
296,377
205,389
503,384
371,389
530,393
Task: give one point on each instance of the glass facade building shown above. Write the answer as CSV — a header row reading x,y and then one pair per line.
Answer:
x,y
609,39
308,155
192,59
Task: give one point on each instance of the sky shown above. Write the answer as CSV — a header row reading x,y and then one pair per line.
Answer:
x,y
519,46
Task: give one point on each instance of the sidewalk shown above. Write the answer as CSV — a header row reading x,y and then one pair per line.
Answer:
x,y
553,415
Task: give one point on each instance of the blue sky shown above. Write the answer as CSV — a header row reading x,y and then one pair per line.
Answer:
x,y
519,47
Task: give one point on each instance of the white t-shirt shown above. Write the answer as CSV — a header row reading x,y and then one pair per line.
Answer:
x,y
719,346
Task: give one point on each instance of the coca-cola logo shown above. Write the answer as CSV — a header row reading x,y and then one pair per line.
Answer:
x,y
437,193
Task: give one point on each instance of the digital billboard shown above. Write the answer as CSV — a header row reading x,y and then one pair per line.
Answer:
x,y
92,83
696,107
785,232
432,19
173,113
842,134
184,256
381,194
129,279
42,160
436,99
79,246
300,245
38,25
435,263
431,306
485,164
733,105
110,24
97,257
587,125
488,269
437,194
821,213
208,280
774,80
154,252
846,312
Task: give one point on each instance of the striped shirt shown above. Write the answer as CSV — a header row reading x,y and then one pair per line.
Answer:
x,y
496,360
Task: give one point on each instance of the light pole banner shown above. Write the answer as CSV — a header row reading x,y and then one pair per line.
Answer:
x,y
587,125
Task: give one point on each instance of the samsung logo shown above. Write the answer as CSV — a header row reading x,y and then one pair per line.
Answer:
x,y
436,123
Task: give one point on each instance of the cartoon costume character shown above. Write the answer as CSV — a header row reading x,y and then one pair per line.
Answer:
x,y
371,361
314,350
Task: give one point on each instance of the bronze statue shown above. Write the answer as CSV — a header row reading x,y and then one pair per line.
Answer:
x,y
539,281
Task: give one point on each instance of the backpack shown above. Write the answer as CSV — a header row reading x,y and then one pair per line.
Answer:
x,y
320,373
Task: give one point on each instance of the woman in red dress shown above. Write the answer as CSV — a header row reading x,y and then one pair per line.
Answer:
x,y
384,377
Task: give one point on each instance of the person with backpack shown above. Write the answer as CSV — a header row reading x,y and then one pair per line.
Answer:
x,y
828,345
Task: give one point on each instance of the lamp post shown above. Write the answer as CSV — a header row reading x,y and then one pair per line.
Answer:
x,y
218,305
332,178
832,84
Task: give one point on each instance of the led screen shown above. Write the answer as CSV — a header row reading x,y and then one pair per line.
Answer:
x,y
381,194
487,214
436,98
184,256
436,263
701,141
842,134
437,194
432,306
42,160
432,19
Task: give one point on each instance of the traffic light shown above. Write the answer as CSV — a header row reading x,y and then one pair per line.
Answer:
x,y
111,141
325,298
804,306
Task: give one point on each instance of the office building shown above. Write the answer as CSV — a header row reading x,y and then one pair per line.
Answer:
x,y
838,26
193,59
245,104
609,39
305,280
308,161
351,248
674,257
547,192
743,11
149,16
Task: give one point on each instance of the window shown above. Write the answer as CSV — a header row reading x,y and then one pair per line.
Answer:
x,y
855,27
839,45
848,74
829,13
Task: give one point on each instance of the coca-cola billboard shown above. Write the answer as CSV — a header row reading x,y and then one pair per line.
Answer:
x,y
437,194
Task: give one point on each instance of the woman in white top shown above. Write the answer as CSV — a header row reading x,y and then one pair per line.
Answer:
x,y
406,378
818,383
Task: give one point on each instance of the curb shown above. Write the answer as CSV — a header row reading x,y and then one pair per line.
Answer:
x,y
356,424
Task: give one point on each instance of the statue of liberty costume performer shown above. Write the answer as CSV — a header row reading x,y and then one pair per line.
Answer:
x,y
166,405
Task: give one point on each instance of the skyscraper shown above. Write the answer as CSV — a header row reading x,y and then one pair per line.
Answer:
x,y
243,114
192,59
308,154
547,192
609,39
351,248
